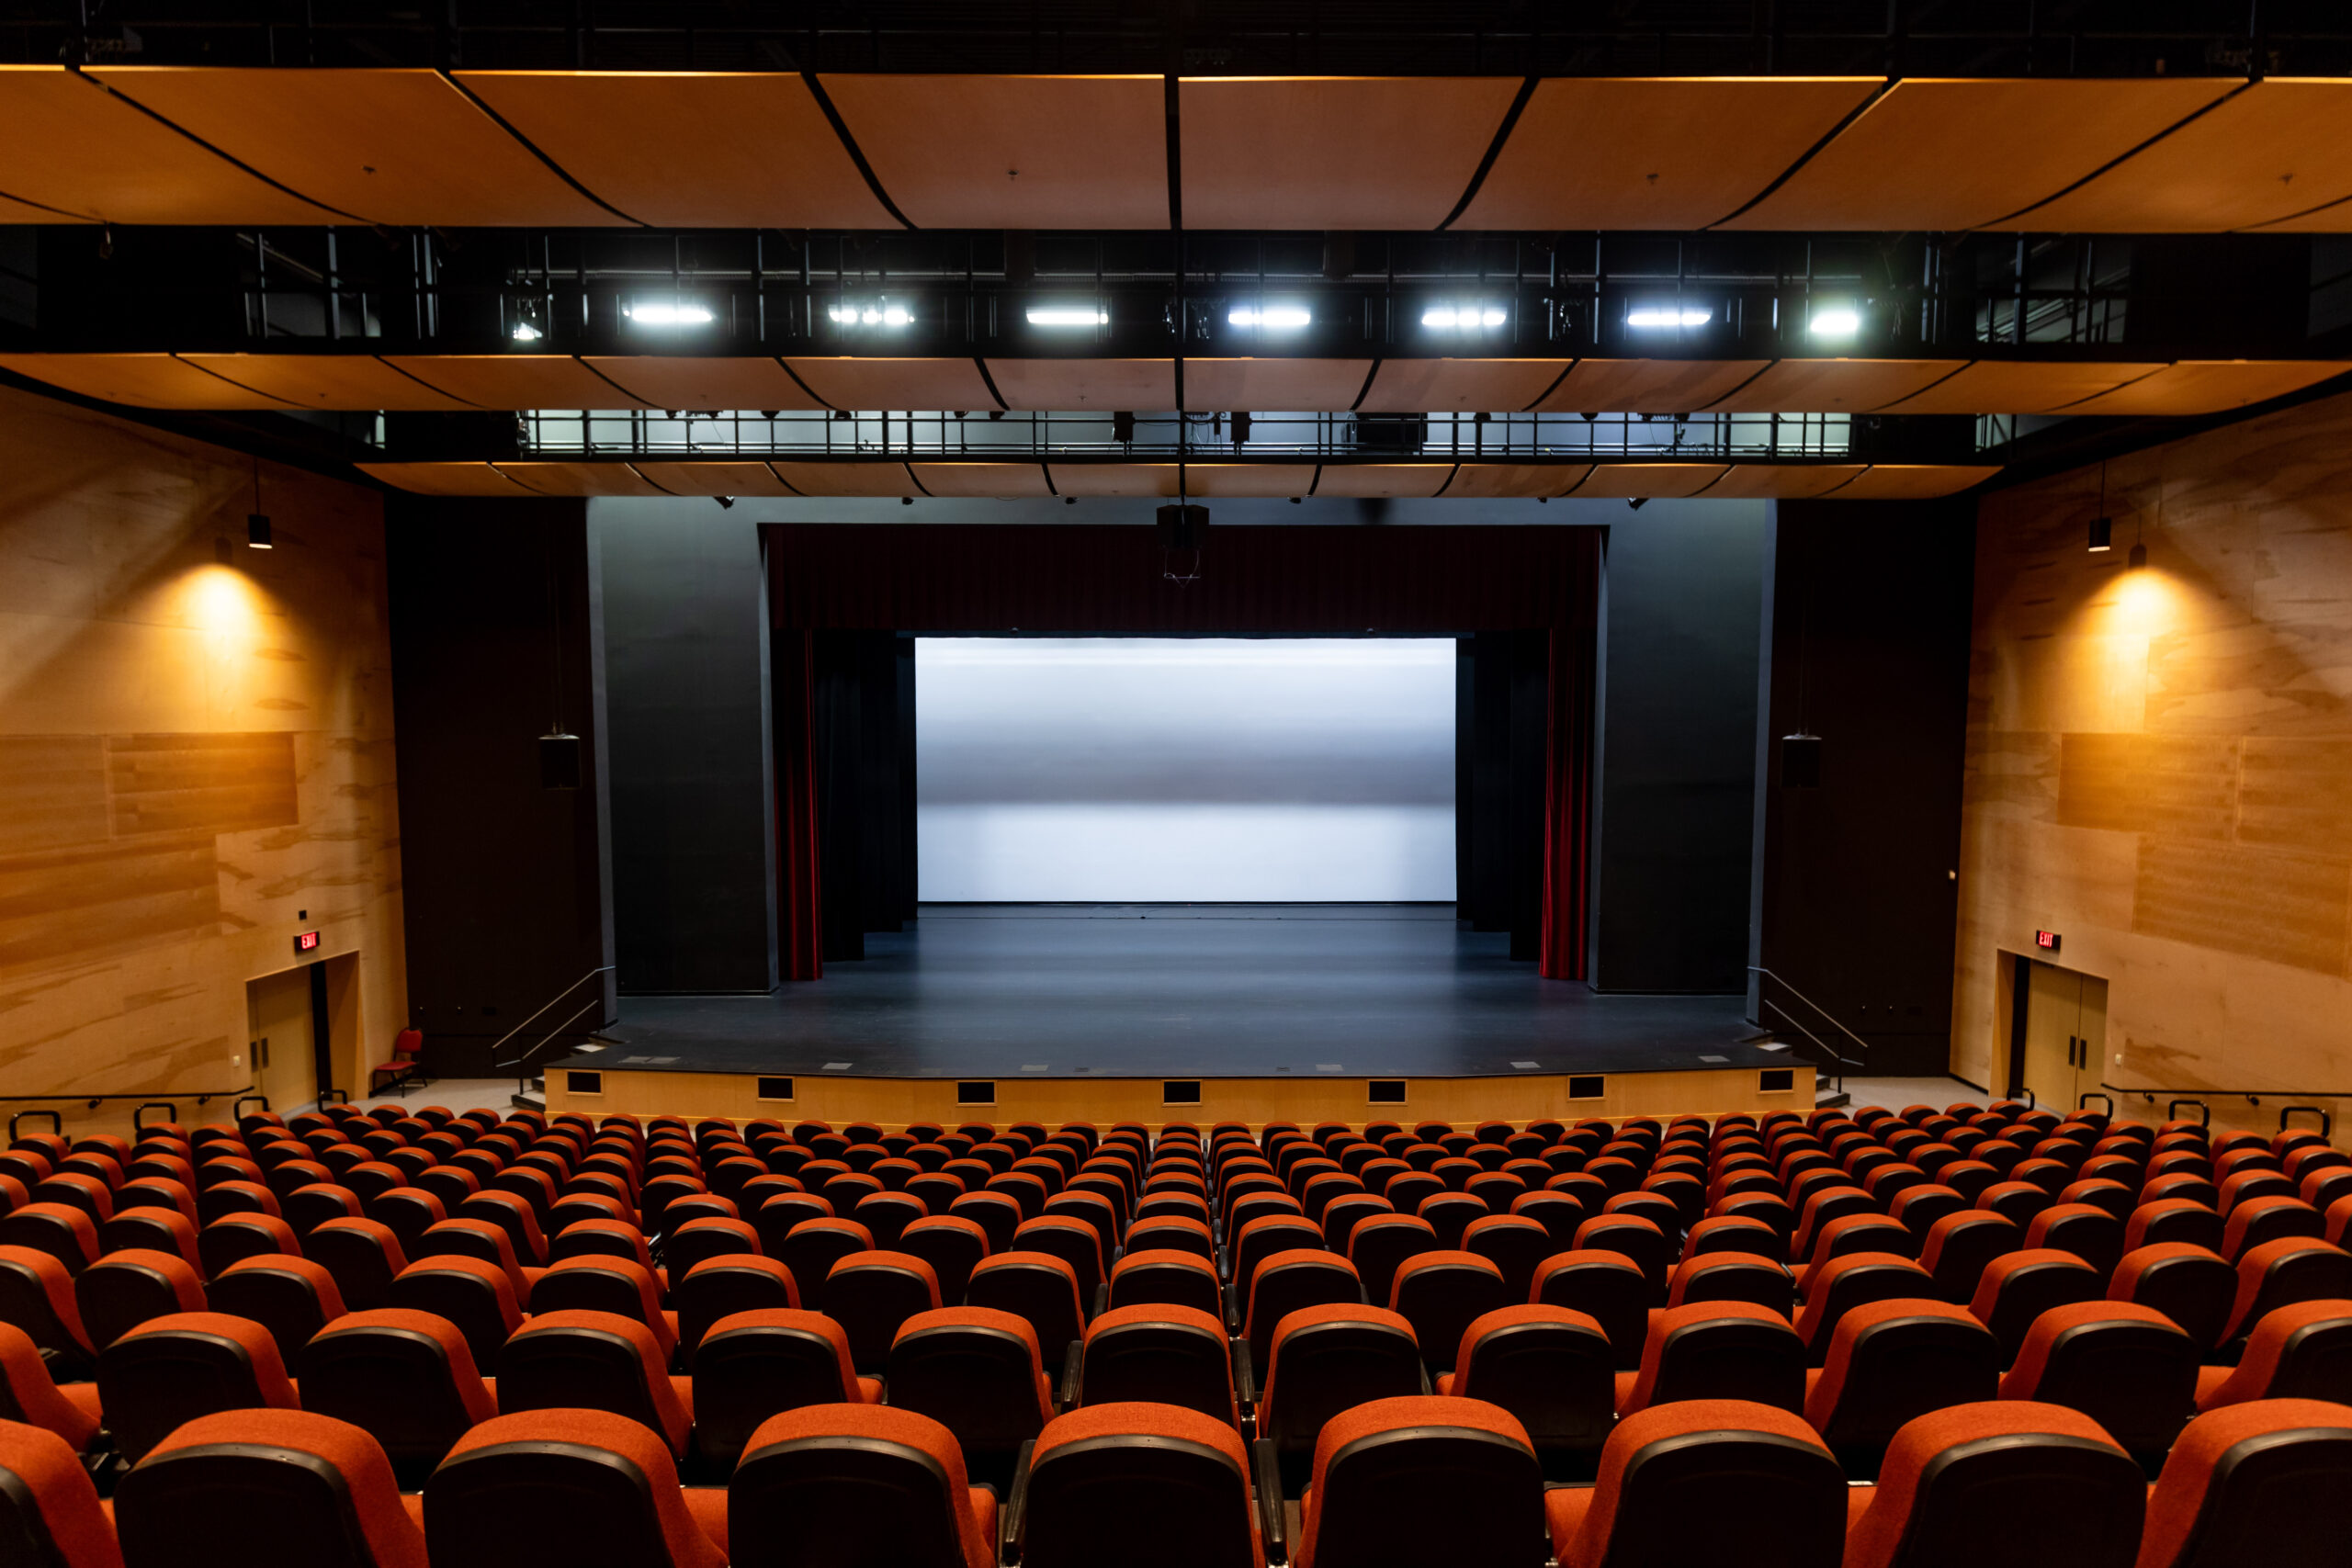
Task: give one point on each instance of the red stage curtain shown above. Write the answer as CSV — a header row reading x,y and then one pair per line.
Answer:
x,y
1108,580
801,928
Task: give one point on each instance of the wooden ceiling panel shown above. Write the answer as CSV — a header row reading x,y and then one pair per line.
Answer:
x,y
141,381
1837,385
1648,481
348,381
517,380
1334,152
1238,481
1494,481
580,479
2279,148
1947,155
930,385
1649,385
2210,386
1400,480
445,478
847,478
1294,385
67,144
1014,152
1657,155
983,479
1782,481
1459,386
690,381
2012,386
1905,481
1116,478
392,147
1065,385
715,149
715,478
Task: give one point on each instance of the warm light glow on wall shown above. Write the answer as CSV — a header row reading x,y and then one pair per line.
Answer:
x,y
220,600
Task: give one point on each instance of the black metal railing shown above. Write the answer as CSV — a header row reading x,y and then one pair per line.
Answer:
x,y
1831,1056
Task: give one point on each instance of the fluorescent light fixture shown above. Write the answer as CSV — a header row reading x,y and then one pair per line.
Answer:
x,y
647,314
1279,317
1068,316
1837,320
1669,316
872,315
1462,318
526,333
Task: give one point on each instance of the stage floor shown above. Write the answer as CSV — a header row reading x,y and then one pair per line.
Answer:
x,y
1205,990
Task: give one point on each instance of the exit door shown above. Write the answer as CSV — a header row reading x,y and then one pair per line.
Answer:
x,y
2059,1039
278,1036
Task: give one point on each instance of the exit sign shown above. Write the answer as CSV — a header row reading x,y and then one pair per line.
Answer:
x,y
308,941
2046,941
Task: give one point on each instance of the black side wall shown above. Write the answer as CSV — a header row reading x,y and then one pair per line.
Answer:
x,y
508,898
686,699
1855,904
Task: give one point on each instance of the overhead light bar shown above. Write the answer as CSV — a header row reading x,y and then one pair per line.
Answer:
x,y
646,313
1068,316
1837,320
1463,318
1278,318
876,314
526,333
1655,316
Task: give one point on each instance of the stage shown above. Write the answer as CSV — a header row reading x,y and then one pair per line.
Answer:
x,y
1271,1007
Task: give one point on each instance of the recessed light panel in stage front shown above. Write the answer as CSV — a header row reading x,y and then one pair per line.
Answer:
x,y
1180,769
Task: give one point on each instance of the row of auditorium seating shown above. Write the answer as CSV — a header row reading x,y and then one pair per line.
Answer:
x,y
1403,1481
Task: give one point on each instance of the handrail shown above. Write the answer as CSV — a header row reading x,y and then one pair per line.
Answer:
x,y
2150,1091
1825,1012
558,1028
93,1100
543,1007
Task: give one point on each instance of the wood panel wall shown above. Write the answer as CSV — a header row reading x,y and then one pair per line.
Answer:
x,y
2159,760
195,760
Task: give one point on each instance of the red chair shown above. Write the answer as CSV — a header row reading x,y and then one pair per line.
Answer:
x,y
1145,1485
1551,1369
568,1486
1709,1481
852,1483
2268,1481
752,1365
977,1371
2299,1351
47,1502
172,1369
288,1474
405,1378
2129,1367
1159,1354
28,1395
405,1070
595,1360
2022,1485
1425,1479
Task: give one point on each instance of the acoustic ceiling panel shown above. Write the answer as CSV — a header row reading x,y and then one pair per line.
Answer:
x,y
870,384
1490,480
716,150
67,144
1334,152
984,479
2210,385
1084,385
1401,480
1837,385
1905,481
328,381
1650,386
1014,152
1946,155
142,380
1657,154
1236,481
445,478
392,147
1116,478
580,479
715,478
1309,385
847,478
688,382
2011,387
517,380
1648,481
1782,481
1460,385
2279,148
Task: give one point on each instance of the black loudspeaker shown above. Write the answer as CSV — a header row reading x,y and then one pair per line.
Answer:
x,y
1183,527
559,762
1800,762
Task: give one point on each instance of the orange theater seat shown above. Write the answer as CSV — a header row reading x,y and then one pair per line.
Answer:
x,y
1891,1362
28,1395
289,1485
1424,1479
1326,1360
1158,1354
2129,1367
1144,1484
172,1369
560,1486
2022,1485
2268,1482
2301,1351
846,1483
405,1378
755,1365
1551,1368
595,1360
722,1287
977,1371
123,1290
50,1512
1707,1481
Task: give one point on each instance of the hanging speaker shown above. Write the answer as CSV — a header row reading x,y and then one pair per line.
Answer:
x,y
1801,762
560,761
1183,527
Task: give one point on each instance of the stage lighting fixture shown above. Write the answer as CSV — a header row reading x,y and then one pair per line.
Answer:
x,y
2102,536
1463,318
1068,316
257,531
1637,502
648,313
1122,426
1650,316
875,313
1276,318
1835,321
726,502
526,333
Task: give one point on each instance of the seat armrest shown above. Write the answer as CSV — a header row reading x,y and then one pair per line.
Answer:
x,y
1073,1374
1269,1478
1245,1380
1013,1516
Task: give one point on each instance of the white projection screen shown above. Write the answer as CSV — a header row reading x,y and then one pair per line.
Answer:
x,y
1184,770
